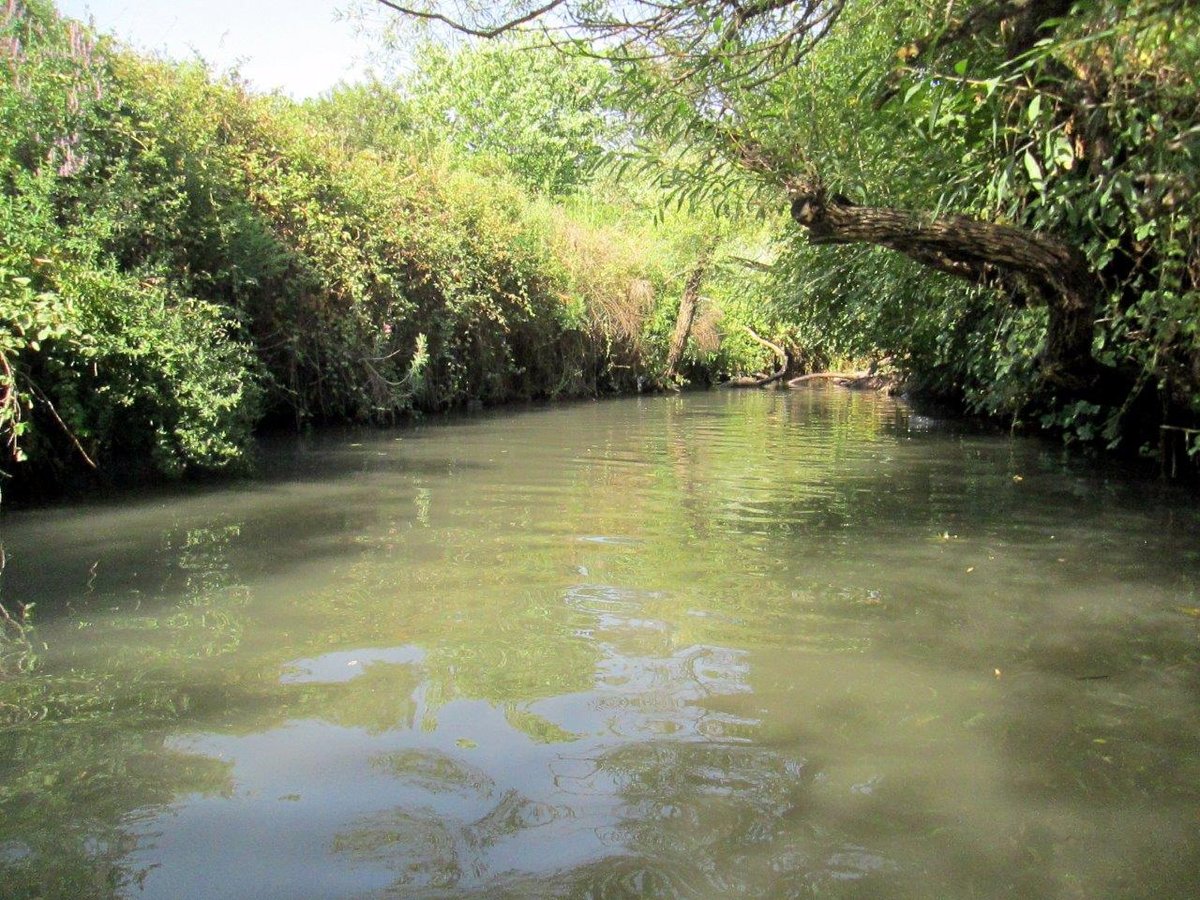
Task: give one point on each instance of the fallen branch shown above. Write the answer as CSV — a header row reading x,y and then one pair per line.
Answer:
x,y
1172,444
687,313
741,381
828,376
10,406
779,352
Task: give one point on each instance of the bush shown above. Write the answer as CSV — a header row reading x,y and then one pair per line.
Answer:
x,y
180,260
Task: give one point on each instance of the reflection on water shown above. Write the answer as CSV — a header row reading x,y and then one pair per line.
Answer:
x,y
346,664
772,644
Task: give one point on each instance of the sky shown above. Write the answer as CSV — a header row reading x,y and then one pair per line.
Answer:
x,y
300,47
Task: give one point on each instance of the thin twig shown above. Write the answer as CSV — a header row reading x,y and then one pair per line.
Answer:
x,y
63,425
498,30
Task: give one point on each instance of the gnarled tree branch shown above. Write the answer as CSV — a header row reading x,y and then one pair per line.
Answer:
x,y
1043,268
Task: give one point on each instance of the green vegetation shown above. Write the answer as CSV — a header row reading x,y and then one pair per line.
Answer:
x,y
1041,153
1082,137
182,261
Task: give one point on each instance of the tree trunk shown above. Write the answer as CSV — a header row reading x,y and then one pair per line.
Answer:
x,y
687,314
1034,267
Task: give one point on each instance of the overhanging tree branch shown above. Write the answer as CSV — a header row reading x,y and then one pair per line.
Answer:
x,y
495,31
1036,267
1033,267
730,38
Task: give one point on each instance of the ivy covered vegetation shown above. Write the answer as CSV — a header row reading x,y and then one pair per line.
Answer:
x,y
999,199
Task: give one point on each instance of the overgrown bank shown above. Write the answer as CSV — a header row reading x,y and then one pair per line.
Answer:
x,y
182,261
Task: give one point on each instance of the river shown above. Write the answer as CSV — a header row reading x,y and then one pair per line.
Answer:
x,y
799,643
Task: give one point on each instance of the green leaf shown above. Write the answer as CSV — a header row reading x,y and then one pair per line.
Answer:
x,y
1034,170
1034,109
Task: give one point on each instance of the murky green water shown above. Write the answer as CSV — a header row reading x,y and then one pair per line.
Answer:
x,y
765,644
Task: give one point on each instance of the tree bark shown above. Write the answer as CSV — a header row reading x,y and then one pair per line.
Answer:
x,y
687,314
1033,267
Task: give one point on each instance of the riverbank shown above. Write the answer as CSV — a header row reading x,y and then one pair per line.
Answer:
x,y
183,262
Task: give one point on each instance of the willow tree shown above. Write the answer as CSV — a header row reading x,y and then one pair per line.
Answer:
x,y
1068,133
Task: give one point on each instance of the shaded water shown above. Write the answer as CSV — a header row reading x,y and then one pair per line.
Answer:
x,y
765,644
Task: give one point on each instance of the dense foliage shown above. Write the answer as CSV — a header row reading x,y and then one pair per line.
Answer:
x,y
1089,134
181,260
1041,152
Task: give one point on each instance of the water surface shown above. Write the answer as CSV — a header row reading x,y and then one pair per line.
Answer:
x,y
764,644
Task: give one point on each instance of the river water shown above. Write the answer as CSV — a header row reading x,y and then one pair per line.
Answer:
x,y
773,644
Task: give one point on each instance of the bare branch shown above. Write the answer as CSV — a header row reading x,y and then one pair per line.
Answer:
x,y
496,31
699,36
